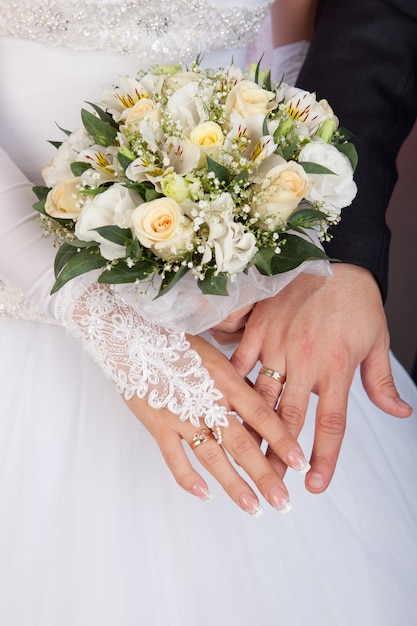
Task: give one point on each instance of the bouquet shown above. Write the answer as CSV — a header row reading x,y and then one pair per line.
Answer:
x,y
198,177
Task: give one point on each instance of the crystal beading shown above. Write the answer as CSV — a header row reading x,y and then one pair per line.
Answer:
x,y
14,305
165,30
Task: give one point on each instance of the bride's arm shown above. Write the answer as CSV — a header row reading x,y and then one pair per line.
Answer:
x,y
160,374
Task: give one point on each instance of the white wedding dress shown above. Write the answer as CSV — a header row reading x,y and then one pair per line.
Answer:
x,y
93,528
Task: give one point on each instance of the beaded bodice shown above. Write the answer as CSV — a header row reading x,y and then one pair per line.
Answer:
x,y
169,30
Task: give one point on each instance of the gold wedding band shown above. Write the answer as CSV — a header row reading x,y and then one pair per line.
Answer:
x,y
201,436
266,371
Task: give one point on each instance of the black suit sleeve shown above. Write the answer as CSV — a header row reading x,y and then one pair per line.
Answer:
x,y
363,60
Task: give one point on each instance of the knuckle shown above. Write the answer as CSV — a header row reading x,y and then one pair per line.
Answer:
x,y
332,423
242,444
268,392
291,414
240,360
211,454
261,417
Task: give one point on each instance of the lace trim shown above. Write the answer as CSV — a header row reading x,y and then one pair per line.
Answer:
x,y
167,30
140,357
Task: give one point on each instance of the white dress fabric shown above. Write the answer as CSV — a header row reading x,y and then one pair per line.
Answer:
x,y
93,528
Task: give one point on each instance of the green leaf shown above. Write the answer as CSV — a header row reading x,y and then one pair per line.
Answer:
x,y
306,218
78,168
67,251
294,251
221,172
121,236
55,144
267,81
265,129
258,68
67,132
315,168
79,263
124,160
171,279
288,151
214,284
104,115
121,273
350,151
103,133
41,191
152,194
94,192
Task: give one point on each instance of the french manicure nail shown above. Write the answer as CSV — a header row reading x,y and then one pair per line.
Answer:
x,y
279,500
250,504
298,462
201,491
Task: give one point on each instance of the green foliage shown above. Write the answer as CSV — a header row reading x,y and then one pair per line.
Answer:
x,y
294,251
102,132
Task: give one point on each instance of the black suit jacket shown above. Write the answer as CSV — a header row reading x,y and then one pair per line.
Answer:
x,y
363,59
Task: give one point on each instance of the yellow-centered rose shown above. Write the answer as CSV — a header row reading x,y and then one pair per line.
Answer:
x,y
247,98
283,188
161,226
209,137
63,201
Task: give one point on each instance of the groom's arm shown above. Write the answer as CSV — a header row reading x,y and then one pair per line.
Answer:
x,y
363,59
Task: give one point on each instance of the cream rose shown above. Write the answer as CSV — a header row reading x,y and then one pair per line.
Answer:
x,y
280,193
145,107
161,226
209,137
248,98
63,201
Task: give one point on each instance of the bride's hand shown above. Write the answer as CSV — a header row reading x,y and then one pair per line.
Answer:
x,y
169,433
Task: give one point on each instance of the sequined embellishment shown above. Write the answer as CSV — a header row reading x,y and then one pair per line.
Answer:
x,y
168,30
14,305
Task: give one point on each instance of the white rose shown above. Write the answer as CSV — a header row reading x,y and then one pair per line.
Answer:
x,y
247,98
233,247
186,104
59,168
337,189
63,201
162,226
112,207
281,191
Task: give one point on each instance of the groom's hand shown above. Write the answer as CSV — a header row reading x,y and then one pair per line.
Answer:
x,y
316,332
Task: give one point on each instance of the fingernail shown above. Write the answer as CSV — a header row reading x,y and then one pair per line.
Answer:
x,y
279,500
298,462
201,491
315,480
250,504
403,403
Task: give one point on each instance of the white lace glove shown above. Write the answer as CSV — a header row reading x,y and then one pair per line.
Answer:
x,y
140,357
